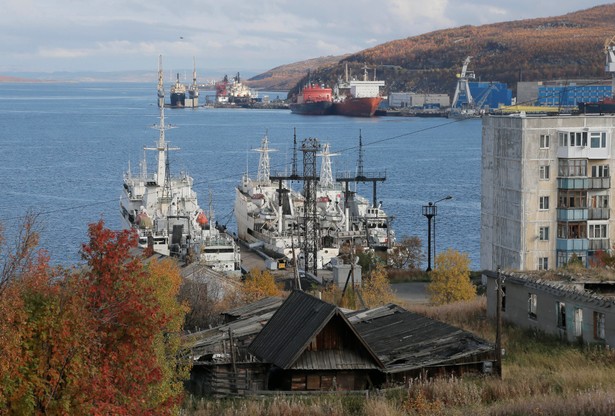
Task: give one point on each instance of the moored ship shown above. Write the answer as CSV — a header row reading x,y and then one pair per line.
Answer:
x,y
314,99
178,94
357,98
270,214
163,209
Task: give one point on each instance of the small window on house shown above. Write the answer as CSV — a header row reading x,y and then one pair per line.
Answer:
x,y
578,322
544,141
532,303
598,325
560,307
543,263
543,203
543,234
544,172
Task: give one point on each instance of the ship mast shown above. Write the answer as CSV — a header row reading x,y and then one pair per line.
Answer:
x,y
162,147
326,172
264,168
160,83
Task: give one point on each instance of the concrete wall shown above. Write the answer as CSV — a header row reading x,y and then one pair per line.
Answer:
x,y
511,186
546,320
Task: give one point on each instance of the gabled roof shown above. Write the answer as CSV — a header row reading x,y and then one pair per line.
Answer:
x,y
295,324
405,340
261,306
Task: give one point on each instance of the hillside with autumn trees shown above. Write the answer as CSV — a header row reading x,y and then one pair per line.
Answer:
x,y
570,46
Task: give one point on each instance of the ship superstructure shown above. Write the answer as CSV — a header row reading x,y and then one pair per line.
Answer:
x,y
272,215
357,98
164,211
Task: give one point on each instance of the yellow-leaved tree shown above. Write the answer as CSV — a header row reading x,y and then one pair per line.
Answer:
x,y
450,280
259,284
376,289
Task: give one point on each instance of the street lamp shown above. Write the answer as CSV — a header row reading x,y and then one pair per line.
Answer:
x,y
430,211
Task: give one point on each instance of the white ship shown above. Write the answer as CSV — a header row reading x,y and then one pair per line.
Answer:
x,y
164,211
270,214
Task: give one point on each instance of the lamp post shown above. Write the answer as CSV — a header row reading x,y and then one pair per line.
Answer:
x,y
498,326
430,211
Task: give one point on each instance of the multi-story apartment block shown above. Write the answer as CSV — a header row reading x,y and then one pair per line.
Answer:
x,y
546,190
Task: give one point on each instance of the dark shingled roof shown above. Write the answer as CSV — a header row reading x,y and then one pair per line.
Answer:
x,y
405,340
291,329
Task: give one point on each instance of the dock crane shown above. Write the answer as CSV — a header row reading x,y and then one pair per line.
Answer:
x,y
463,85
609,50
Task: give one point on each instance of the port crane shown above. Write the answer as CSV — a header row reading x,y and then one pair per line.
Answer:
x,y
609,50
463,85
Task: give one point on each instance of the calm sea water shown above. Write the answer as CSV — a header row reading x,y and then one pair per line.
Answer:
x,y
64,148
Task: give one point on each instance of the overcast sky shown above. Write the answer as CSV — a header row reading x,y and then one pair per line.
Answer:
x,y
239,35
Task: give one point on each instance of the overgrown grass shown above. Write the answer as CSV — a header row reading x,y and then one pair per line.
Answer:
x,y
541,376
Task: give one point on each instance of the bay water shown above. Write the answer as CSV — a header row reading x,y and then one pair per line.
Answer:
x,y
65,146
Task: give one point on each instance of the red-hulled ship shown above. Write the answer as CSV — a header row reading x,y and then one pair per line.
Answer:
x,y
313,99
358,98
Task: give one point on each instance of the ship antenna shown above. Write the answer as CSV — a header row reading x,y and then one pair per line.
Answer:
x,y
160,83
294,167
360,161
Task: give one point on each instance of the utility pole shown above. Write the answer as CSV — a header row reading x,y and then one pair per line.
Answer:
x,y
498,329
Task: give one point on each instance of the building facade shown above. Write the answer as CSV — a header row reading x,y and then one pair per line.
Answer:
x,y
563,93
571,311
545,190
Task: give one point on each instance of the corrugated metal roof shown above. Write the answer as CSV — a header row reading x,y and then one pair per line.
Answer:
x,y
288,333
404,340
259,307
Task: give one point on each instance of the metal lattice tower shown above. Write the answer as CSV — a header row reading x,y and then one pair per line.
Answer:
x,y
310,147
264,168
326,172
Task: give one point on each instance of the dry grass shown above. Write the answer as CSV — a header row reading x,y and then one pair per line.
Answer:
x,y
541,376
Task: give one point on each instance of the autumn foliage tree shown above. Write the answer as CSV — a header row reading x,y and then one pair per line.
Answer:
x,y
259,284
450,280
99,341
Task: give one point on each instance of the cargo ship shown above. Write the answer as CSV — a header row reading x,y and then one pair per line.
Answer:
x,y
178,94
356,98
314,99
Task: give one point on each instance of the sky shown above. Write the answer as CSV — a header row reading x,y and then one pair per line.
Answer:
x,y
228,36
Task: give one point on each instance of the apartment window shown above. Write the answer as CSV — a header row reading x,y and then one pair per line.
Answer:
x,y
532,303
560,308
572,167
544,141
543,263
572,199
571,230
598,139
543,203
544,172
578,322
578,138
563,139
543,233
599,325
600,171
598,231
599,201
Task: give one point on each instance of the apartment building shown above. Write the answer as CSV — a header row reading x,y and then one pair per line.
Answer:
x,y
546,190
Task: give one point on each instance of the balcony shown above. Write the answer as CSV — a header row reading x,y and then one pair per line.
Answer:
x,y
599,244
572,244
599,183
573,183
572,214
599,213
